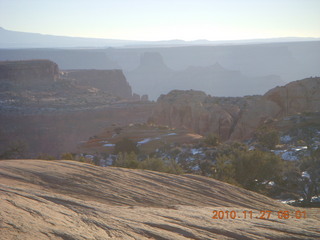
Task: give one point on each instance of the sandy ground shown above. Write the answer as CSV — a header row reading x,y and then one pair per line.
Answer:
x,y
72,201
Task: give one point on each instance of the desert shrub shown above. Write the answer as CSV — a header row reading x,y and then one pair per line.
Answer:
x,y
310,166
68,156
16,150
212,140
127,160
155,164
126,146
45,156
252,170
267,137
117,130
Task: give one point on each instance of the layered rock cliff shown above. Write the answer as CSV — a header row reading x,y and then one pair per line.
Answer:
x,y
110,81
30,70
51,112
235,118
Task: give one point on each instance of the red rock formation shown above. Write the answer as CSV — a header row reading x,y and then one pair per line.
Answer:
x,y
196,111
110,81
235,118
29,71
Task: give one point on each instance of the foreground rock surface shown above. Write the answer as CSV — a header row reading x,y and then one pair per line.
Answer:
x,y
71,200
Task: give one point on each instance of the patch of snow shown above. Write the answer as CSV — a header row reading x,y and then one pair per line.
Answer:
x,y
271,183
278,152
286,139
109,145
195,151
300,148
191,159
305,175
315,199
146,140
171,134
289,201
195,168
289,156
252,148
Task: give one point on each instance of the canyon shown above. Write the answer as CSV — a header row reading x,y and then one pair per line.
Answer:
x,y
50,111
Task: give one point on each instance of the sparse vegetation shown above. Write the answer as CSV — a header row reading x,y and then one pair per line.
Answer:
x,y
15,151
253,170
126,146
46,157
267,137
212,140
68,156
150,163
310,168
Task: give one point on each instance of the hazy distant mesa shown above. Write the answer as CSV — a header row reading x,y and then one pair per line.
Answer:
x,y
155,68
15,39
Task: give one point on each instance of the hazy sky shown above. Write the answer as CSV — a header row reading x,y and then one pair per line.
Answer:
x,y
164,19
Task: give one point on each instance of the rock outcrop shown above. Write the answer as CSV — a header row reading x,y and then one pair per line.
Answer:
x,y
196,111
71,200
31,71
35,73
110,81
51,112
235,118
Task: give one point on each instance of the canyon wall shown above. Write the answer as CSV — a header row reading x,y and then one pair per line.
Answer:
x,y
50,111
110,81
28,71
235,118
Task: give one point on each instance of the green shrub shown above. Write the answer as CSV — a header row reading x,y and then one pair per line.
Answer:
x,y
126,146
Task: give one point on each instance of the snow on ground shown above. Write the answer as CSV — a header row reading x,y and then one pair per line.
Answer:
x,y
196,151
305,175
109,145
146,140
289,156
171,134
286,139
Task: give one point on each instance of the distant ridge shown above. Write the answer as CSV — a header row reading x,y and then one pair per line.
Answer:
x,y
16,39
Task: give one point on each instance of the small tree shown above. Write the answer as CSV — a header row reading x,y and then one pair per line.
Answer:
x,y
68,156
127,160
212,140
310,173
268,137
252,170
15,150
224,169
126,146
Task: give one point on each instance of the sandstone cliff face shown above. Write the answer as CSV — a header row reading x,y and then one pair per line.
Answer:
x,y
297,96
29,71
196,111
235,118
110,81
293,98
